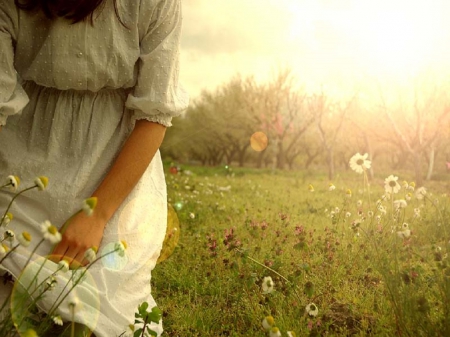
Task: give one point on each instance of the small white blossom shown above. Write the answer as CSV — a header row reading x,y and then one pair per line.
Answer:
x,y
268,322
420,193
391,184
91,254
267,285
312,310
50,232
24,239
274,332
401,203
13,182
359,163
192,215
63,265
57,320
121,246
41,182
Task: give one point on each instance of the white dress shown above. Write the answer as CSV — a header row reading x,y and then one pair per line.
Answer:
x,y
69,98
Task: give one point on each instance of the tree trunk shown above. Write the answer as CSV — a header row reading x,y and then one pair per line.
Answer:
x,y
280,155
330,163
431,163
418,168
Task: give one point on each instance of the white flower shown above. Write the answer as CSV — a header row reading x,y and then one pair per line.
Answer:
x,y
63,265
420,193
57,320
267,285
88,205
91,254
416,212
401,203
348,215
268,322
41,182
50,232
51,283
24,239
13,182
3,250
331,187
291,334
7,219
391,184
74,303
274,332
359,203
404,234
408,196
312,310
120,247
9,235
359,163
192,215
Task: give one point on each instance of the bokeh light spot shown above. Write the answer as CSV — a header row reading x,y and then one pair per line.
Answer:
x,y
259,141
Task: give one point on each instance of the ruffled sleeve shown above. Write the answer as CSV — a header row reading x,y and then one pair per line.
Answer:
x,y
12,96
158,96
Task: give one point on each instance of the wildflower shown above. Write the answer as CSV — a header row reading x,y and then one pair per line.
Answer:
x,y
391,185
3,250
121,247
408,196
41,182
412,185
57,320
268,322
51,283
63,265
50,232
311,188
359,163
336,210
406,233
291,334
416,212
88,205
267,285
405,184
13,182
74,303
275,332
9,235
420,193
7,219
359,203
401,203
91,254
370,213
24,239
312,310
331,187
348,193
192,215
348,215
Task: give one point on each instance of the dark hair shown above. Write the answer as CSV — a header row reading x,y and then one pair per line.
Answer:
x,y
73,10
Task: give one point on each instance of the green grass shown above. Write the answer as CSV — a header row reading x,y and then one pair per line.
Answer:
x,y
366,279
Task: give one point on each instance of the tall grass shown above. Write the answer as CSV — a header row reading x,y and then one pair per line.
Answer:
x,y
340,252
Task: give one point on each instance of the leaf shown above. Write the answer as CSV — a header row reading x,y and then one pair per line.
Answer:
x,y
137,333
151,332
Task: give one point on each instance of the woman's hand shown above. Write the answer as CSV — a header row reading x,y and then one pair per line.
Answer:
x,y
79,233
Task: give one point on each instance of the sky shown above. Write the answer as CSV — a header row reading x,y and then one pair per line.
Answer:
x,y
338,45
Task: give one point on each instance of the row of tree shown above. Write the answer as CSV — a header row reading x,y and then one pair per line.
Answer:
x,y
307,129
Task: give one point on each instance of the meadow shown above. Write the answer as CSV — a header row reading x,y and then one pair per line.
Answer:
x,y
290,253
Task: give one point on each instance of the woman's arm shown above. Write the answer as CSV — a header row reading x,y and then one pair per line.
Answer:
x,y
83,232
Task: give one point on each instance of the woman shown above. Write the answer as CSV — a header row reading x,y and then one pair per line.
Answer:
x,y
87,89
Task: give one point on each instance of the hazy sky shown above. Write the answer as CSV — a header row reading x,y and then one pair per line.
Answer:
x,y
340,44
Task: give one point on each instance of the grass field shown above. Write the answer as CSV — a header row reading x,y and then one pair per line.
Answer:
x,y
343,261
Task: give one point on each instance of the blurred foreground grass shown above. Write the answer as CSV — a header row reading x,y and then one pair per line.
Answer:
x,y
346,254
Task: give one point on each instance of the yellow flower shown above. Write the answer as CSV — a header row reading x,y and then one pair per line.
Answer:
x,y
3,250
311,188
275,332
30,333
7,219
331,187
348,193
41,182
